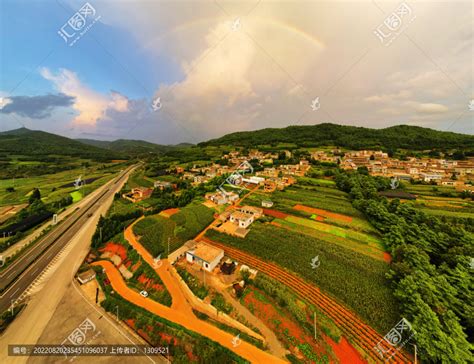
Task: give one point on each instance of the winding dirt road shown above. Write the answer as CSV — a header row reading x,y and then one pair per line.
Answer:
x,y
189,321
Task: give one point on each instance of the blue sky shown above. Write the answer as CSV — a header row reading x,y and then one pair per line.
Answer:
x,y
213,77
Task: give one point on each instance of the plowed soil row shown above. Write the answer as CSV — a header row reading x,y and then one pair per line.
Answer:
x,y
324,213
361,334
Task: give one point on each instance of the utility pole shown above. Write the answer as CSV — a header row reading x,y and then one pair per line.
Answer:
x,y
415,353
100,230
169,237
117,313
315,323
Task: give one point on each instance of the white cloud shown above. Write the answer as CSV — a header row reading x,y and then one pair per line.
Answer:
x,y
431,108
90,105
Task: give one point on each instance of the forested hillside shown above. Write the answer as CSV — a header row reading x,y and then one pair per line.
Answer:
x,y
27,142
430,271
401,136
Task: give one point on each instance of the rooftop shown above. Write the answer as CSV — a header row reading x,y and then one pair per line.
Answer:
x,y
205,252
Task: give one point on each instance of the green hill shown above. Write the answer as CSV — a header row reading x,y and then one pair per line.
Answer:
x,y
37,143
132,147
400,136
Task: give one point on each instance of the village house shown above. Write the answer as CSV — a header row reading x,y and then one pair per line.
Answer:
x,y
254,180
162,185
200,179
138,194
242,219
207,256
252,210
221,197
267,203
428,177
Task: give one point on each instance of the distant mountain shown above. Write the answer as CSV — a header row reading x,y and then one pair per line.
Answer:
x,y
28,142
400,136
132,147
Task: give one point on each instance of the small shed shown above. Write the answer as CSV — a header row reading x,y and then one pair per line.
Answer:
x,y
86,276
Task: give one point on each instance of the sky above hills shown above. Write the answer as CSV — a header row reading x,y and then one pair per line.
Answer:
x,y
188,71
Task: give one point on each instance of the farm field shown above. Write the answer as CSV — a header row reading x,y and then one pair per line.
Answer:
x,y
354,279
50,185
350,239
178,228
441,201
138,179
323,204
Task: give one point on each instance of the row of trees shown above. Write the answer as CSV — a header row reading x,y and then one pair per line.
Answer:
x,y
430,270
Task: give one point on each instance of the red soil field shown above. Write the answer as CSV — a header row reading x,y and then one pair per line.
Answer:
x,y
324,213
387,257
169,212
363,335
275,213
344,351
148,282
281,324
115,249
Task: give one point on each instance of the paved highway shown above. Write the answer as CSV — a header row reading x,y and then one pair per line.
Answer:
x,y
18,276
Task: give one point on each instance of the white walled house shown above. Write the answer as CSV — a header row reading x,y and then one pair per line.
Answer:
x,y
242,219
205,255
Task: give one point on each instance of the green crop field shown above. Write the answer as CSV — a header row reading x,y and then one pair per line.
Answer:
x,y
138,179
325,198
358,241
186,224
50,184
328,199
354,279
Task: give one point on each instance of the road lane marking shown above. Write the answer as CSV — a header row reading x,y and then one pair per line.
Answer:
x,y
14,292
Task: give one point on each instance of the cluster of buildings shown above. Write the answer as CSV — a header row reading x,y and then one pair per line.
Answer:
x,y
238,221
443,172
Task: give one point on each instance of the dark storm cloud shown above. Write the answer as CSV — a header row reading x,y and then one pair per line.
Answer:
x,y
36,107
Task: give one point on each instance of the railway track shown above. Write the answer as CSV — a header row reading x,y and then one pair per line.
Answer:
x,y
361,334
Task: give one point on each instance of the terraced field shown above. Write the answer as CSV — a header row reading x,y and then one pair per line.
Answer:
x,y
353,278
319,203
358,333
357,241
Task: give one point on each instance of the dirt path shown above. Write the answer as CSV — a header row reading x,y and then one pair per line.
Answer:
x,y
273,343
179,301
245,350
